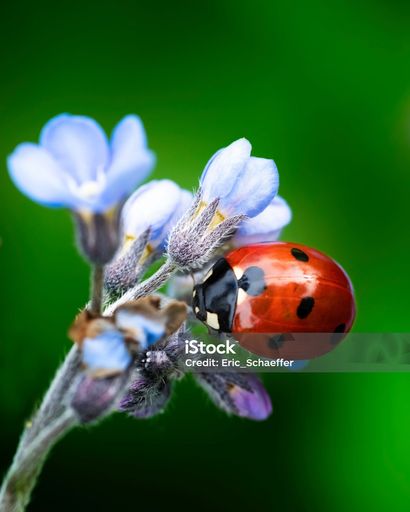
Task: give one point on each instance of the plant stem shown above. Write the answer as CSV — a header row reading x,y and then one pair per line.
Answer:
x,y
97,289
48,424
53,403
28,461
147,287
55,417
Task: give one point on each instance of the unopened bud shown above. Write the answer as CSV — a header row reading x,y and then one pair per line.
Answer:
x,y
98,234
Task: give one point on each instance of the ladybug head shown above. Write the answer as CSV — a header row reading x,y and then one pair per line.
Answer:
x,y
214,300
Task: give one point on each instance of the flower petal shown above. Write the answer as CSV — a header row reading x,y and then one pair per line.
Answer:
x,y
145,330
106,352
255,188
152,205
131,161
224,168
37,174
78,143
265,227
185,200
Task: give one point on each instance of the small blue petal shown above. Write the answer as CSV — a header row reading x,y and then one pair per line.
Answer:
x,y
143,329
255,188
78,143
131,161
223,170
153,330
39,176
107,351
152,206
265,227
244,184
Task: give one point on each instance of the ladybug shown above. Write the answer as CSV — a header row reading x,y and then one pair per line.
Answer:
x,y
268,292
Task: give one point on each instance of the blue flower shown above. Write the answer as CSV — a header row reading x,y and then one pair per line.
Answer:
x,y
265,227
244,184
106,354
75,166
158,205
139,327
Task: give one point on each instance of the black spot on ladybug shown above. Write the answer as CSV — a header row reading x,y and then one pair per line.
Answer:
x,y
253,281
276,342
305,307
338,334
299,254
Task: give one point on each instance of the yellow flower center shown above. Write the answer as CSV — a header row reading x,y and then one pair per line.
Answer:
x,y
216,219
128,240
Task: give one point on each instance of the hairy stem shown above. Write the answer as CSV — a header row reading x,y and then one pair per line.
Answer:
x,y
97,289
28,461
147,287
49,423
53,403
55,416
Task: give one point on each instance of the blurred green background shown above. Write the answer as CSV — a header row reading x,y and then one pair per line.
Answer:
x,y
323,88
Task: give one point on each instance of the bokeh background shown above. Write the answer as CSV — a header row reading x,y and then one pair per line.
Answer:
x,y
323,88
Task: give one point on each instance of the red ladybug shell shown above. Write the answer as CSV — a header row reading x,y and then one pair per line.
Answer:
x,y
304,291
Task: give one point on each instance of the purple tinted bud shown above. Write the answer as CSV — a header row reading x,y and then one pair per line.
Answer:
x,y
254,402
95,398
241,394
150,389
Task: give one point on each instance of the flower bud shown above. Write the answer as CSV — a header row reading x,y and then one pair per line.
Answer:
x,y
146,397
240,394
150,389
199,233
98,234
156,206
125,270
95,398
76,167
244,184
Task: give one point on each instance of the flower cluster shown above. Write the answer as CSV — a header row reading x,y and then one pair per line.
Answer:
x,y
130,352
161,365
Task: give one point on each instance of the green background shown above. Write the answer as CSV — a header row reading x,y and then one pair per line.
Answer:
x,y
323,88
